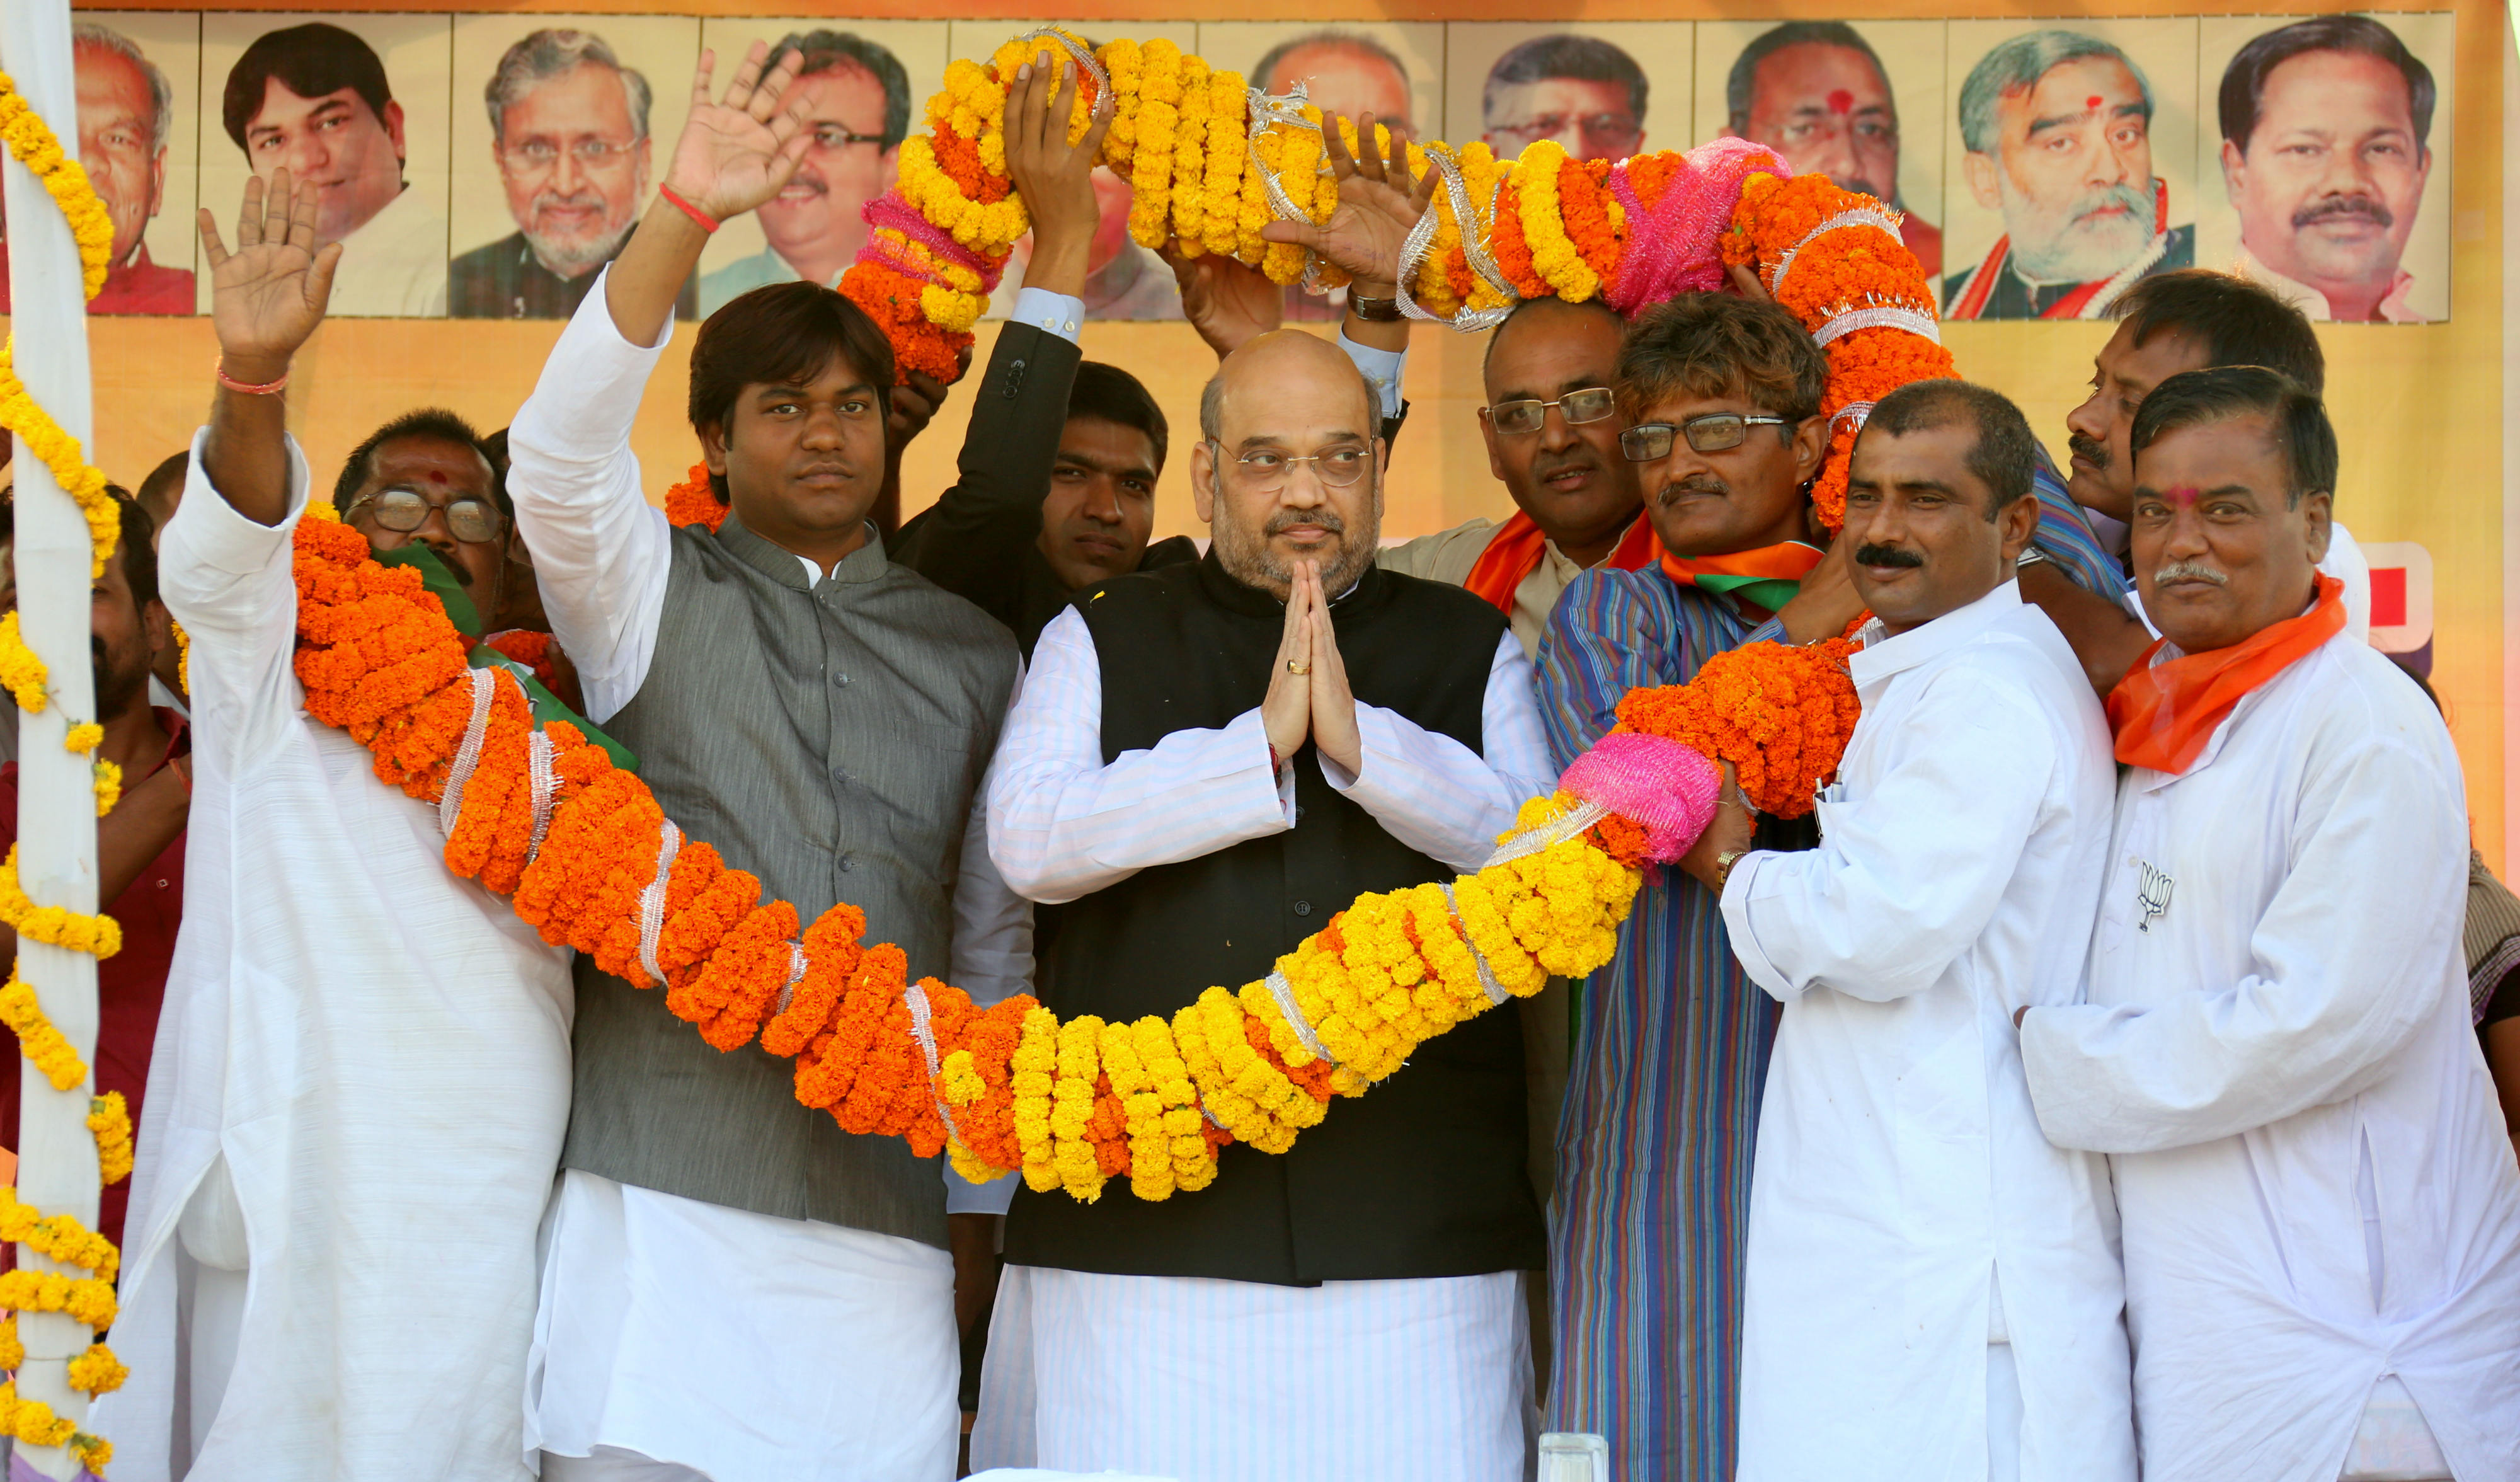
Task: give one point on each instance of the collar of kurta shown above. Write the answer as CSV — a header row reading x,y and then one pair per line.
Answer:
x,y
785,568
1884,655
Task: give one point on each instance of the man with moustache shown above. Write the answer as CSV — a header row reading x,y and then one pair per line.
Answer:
x,y
1816,92
1932,1291
1580,91
2058,128
125,111
1207,763
2326,146
314,99
140,844
856,97
569,133
2276,1048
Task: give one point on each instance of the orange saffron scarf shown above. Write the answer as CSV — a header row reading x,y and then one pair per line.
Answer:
x,y
2163,714
1766,578
1518,548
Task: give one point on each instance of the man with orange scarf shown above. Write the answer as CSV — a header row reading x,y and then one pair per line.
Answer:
x,y
2277,1048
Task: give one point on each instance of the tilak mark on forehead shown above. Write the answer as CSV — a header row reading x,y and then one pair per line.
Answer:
x,y
2183,496
1840,101
2093,102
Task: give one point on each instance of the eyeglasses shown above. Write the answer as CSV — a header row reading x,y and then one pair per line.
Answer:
x,y
1650,441
1516,419
475,522
1265,470
1598,130
535,156
833,136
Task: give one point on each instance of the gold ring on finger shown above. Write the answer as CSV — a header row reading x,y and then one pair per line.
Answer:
x,y
1295,667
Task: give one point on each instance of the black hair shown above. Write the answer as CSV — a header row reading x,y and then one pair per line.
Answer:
x,y
1584,59
1113,395
1595,305
783,334
824,50
136,547
2237,321
165,484
312,60
2245,81
2295,418
1742,80
2005,451
1722,345
436,423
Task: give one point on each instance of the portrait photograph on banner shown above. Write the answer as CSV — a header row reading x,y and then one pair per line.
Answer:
x,y
563,126
866,84
139,132
358,105
2323,156
1860,102
2070,150
1123,279
1602,90
1391,69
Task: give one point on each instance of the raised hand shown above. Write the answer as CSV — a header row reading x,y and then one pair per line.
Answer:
x,y
1227,301
268,295
740,151
1286,712
1053,177
1378,200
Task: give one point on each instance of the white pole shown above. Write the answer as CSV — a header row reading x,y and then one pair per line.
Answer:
x,y
57,1169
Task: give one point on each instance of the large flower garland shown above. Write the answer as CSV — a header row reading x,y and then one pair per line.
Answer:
x,y
1211,162
60,1237
587,857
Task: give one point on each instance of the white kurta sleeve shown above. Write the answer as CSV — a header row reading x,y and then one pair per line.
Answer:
x,y
1904,880
1438,796
230,582
2345,968
1063,824
601,552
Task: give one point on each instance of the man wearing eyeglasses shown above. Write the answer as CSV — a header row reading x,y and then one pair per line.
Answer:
x,y
1207,762
856,97
569,133
1581,91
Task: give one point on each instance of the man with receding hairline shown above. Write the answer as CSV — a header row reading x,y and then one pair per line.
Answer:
x,y
1206,764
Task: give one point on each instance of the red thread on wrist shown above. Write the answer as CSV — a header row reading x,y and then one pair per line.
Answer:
x,y
219,369
708,223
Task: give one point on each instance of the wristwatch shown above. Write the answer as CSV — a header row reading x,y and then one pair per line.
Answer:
x,y
1724,864
1374,310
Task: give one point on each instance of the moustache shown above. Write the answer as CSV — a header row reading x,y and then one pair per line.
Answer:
x,y
1859,186
1694,483
1578,460
575,200
1325,519
1887,555
2122,197
2090,449
806,178
2190,570
2339,207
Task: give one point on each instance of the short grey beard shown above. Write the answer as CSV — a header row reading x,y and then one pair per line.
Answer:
x,y
576,261
2065,256
1248,559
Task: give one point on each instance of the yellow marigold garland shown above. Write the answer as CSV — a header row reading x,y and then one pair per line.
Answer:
x,y
100,936
108,1119
21,670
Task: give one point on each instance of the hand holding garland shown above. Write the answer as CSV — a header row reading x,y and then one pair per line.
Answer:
x,y
1230,303
1055,177
1379,200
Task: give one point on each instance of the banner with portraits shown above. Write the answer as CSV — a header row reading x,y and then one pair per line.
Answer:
x,y
481,165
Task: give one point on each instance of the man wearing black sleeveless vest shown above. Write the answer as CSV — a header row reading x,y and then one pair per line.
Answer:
x,y
1206,763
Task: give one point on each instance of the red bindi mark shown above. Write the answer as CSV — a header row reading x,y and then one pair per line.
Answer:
x,y
437,477
2183,496
1841,102
2092,103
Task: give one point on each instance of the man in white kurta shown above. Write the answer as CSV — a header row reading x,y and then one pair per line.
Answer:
x,y
1932,1291
361,1077
1206,764
2321,1213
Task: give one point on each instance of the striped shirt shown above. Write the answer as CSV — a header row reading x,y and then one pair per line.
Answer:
x,y
1662,1098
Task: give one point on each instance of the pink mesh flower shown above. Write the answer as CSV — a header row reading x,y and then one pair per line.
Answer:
x,y
1674,250
1661,784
